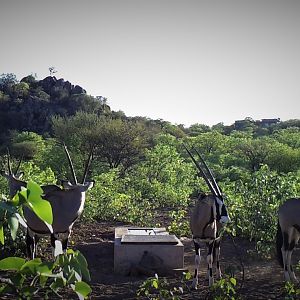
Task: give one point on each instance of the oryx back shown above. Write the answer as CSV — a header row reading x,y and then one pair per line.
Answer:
x,y
288,234
66,205
203,218
289,214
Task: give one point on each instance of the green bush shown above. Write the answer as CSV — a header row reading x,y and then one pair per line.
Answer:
x,y
253,204
112,199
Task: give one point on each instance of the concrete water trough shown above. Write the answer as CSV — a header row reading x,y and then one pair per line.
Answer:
x,y
131,245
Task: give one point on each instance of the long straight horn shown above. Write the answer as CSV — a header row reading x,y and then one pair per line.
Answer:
x,y
201,171
71,164
214,182
18,166
8,163
87,165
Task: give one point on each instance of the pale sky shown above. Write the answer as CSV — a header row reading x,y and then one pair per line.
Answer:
x,y
182,61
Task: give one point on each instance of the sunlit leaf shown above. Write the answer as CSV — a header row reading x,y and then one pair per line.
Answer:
x,y
1,234
155,284
82,288
42,209
83,266
11,263
13,224
31,266
233,281
34,190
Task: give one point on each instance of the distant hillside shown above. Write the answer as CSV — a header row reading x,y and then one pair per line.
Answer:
x,y
28,105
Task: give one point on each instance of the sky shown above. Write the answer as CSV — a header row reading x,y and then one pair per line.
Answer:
x,y
186,62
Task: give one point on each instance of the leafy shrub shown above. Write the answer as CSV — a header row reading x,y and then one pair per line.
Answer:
x,y
112,199
155,288
253,203
163,178
179,223
36,278
291,291
224,289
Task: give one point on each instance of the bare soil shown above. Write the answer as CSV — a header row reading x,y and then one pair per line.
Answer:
x,y
262,279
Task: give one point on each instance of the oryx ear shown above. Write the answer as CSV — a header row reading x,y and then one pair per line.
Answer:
x,y
20,175
66,184
89,184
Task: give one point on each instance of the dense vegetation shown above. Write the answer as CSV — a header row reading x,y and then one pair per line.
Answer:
x,y
139,164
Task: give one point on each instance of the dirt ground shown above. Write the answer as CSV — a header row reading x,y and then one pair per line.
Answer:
x,y
263,279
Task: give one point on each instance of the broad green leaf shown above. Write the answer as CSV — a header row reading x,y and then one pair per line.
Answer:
x,y
57,284
45,268
31,266
84,267
34,189
155,284
82,288
70,251
233,281
12,263
1,234
13,224
42,208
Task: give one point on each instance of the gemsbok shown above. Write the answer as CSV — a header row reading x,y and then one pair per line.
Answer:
x,y
207,218
288,234
67,205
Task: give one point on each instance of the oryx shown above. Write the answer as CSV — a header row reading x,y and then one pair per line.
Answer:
x,y
207,218
67,205
288,234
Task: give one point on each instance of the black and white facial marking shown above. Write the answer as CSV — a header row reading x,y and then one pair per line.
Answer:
x,y
222,214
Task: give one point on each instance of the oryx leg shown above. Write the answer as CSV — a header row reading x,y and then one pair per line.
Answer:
x,y
217,255
197,264
289,242
31,244
209,260
56,245
65,241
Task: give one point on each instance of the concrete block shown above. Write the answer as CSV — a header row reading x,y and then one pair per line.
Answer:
x,y
131,243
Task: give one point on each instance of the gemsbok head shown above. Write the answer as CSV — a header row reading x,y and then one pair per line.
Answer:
x,y
67,205
13,177
288,234
207,218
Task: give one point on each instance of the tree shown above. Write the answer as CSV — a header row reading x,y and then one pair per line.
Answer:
x,y
211,142
254,151
196,129
27,145
6,81
52,71
121,143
